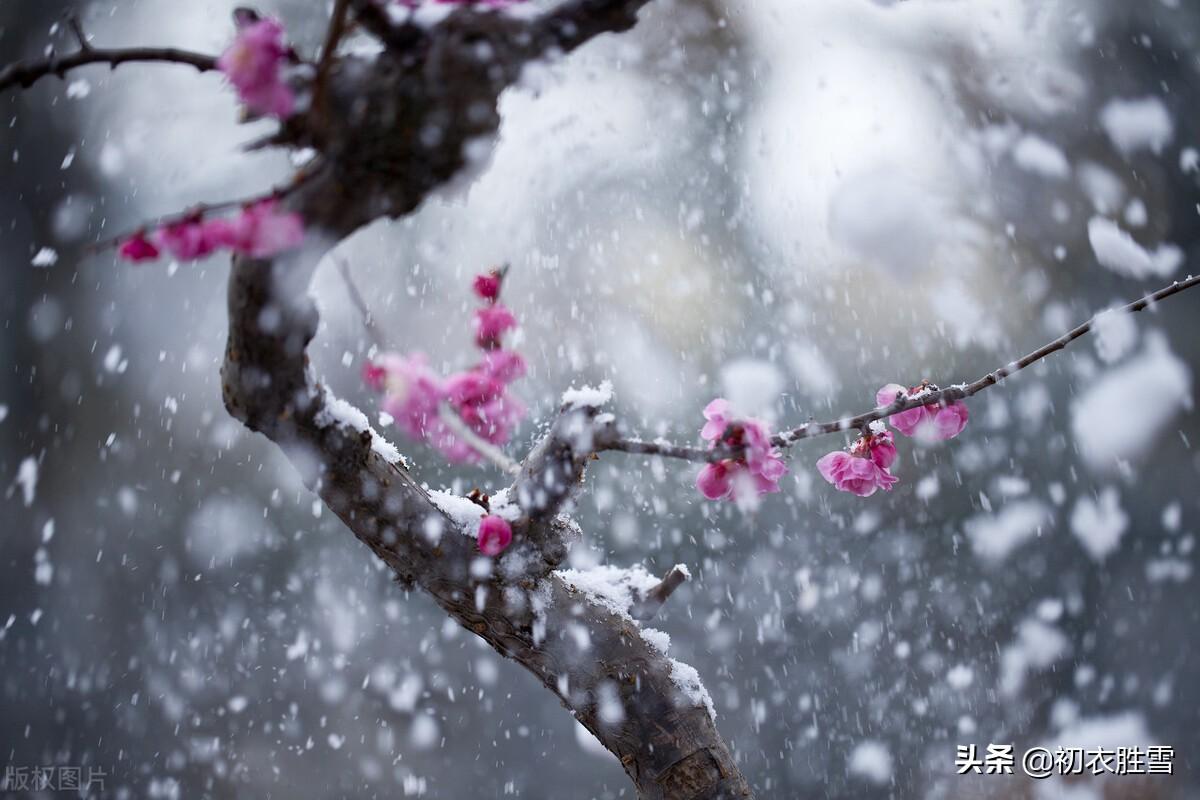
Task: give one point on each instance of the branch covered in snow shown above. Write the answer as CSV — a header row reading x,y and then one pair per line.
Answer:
x,y
933,396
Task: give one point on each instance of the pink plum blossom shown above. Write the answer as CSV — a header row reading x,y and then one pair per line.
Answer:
x,y
138,248
495,534
505,366
262,230
487,286
858,475
253,64
936,420
760,467
491,322
188,239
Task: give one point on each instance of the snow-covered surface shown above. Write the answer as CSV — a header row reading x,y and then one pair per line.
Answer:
x,y
336,411
618,589
1117,250
588,396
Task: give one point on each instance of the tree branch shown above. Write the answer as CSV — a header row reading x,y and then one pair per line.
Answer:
x,y
934,396
665,737
25,74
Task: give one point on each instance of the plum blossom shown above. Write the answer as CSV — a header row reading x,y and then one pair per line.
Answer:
x,y
138,248
759,467
934,421
495,534
260,230
492,322
414,395
487,285
864,469
253,64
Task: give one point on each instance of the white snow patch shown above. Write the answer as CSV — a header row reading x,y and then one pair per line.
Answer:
x,y
960,677
27,478
615,588
462,512
1034,154
687,680
1120,415
994,536
1037,646
46,257
335,411
588,396
1116,250
1126,729
1099,523
1137,124
872,761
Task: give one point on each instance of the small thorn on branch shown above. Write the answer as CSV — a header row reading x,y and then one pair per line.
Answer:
x,y
657,597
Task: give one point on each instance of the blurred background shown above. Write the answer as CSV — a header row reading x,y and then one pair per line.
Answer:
x,y
791,202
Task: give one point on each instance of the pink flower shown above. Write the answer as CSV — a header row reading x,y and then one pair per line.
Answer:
x,y
495,534
188,239
879,447
138,248
935,421
719,416
253,62
261,230
411,390
858,475
505,366
487,286
760,467
491,323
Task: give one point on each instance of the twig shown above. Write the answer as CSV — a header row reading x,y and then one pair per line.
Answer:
x,y
659,594
24,74
480,445
903,403
368,319
333,36
202,209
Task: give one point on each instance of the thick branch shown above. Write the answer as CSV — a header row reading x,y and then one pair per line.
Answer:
x,y
25,74
575,22
949,394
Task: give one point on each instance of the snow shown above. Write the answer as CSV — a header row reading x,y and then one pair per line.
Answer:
x,y
752,387
1115,335
960,677
464,513
335,411
588,396
1137,124
1124,729
1116,250
1118,417
1099,523
1038,645
45,257
27,478
995,536
872,761
615,588
1034,154
687,680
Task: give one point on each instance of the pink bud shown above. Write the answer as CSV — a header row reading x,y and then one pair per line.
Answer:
x,y
495,534
138,248
487,286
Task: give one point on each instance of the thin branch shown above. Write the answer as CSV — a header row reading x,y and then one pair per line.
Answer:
x,y
654,599
25,74
202,209
480,445
333,37
368,319
949,394
575,22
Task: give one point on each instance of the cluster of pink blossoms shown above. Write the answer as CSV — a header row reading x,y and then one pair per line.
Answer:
x,y
413,393
254,65
261,230
865,468
759,467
